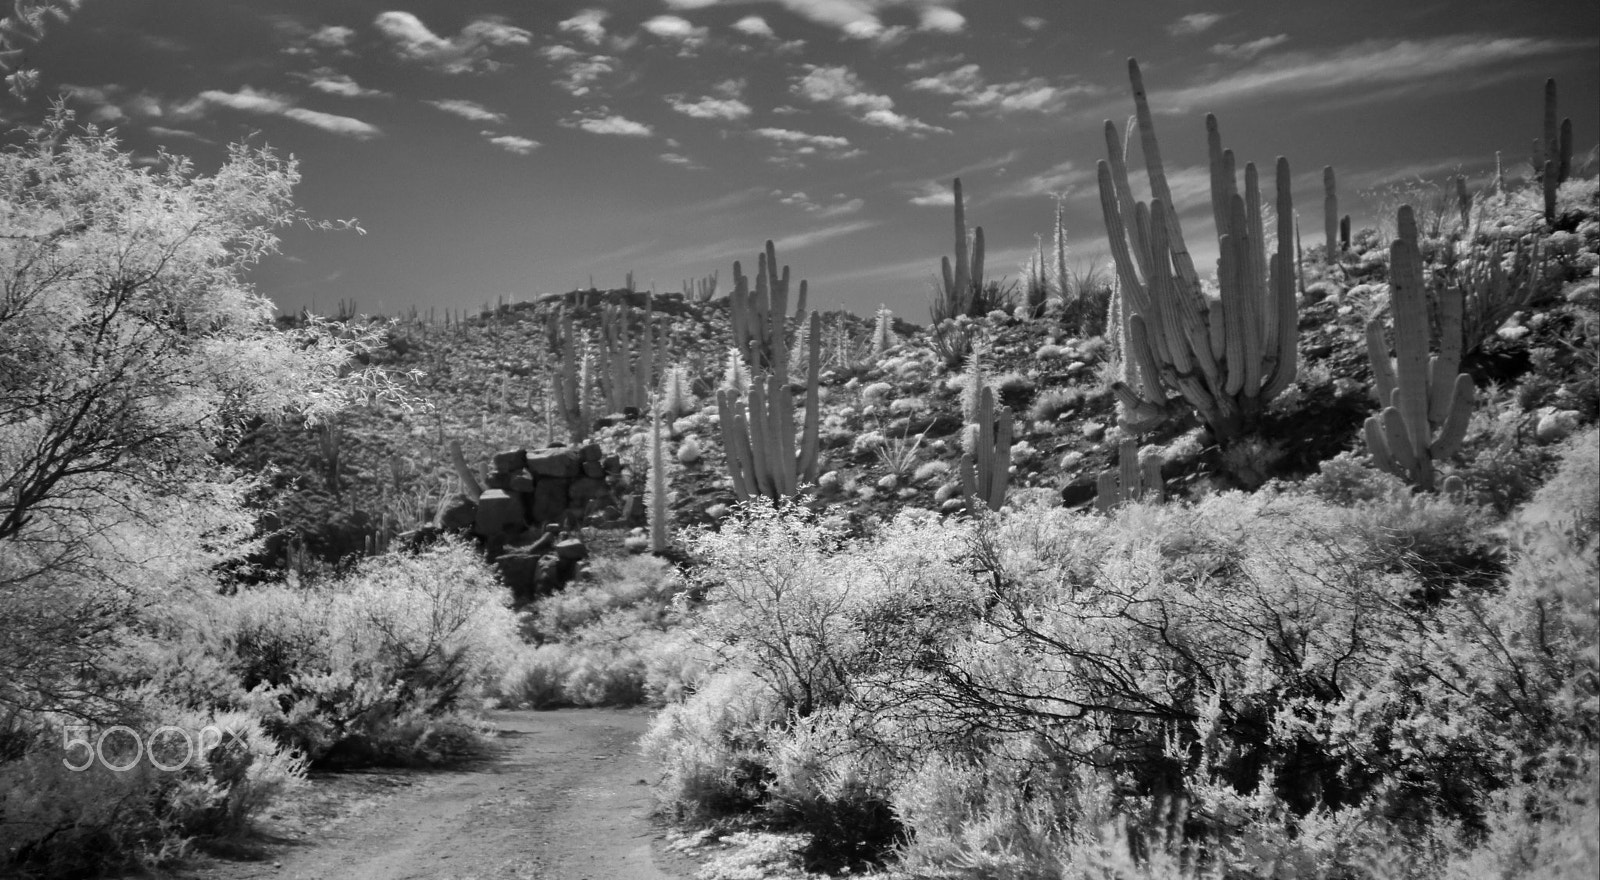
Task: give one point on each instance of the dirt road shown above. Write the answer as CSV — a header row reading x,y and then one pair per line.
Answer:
x,y
564,797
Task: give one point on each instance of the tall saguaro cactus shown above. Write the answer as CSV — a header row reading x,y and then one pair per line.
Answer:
x,y
961,281
1330,210
760,316
1552,154
1228,357
986,467
1425,402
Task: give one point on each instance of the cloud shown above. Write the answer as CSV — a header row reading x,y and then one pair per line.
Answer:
x,y
332,36
164,132
248,100
329,82
671,27
511,143
794,146
1032,22
1059,179
709,107
1372,69
468,110
470,50
840,205
1193,23
931,193
588,24
840,87
682,161
967,85
755,26
942,20
802,240
579,72
1249,50
602,122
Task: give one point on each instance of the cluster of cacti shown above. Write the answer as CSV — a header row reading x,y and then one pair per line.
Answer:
x,y
1134,479
1426,403
986,466
572,383
758,430
701,291
1552,154
626,378
962,281
760,315
1227,357
1491,293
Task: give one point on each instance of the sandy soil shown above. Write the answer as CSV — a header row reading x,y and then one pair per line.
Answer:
x,y
563,797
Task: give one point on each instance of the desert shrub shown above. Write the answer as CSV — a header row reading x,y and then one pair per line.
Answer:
x,y
58,821
1052,402
710,747
1501,466
826,786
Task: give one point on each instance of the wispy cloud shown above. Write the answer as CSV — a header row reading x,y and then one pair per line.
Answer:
x,y
1193,23
1060,179
588,25
1248,50
511,143
681,161
799,144
839,205
857,19
468,51
968,86
755,26
248,100
801,240
468,110
605,122
579,72
841,88
1387,68
331,82
710,107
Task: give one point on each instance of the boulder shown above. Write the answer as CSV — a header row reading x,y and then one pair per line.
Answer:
x,y
572,549
559,462
521,483
594,470
498,514
549,500
511,461
458,512
586,489
519,568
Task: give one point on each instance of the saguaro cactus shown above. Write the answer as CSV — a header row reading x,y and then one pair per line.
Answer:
x,y
1226,357
1330,210
1426,402
572,381
961,281
986,468
656,491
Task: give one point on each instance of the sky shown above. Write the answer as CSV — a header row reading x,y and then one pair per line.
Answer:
x,y
505,149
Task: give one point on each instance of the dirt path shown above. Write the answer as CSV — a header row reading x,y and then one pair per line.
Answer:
x,y
563,798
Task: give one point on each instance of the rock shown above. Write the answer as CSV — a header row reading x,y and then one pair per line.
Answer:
x,y
953,505
591,452
572,549
547,576
889,483
612,464
1093,431
498,514
457,513
520,483
519,568
497,480
586,489
558,462
1556,426
1080,491
511,461
594,470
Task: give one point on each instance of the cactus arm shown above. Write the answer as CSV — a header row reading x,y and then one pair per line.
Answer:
x,y
469,480
1398,440
1281,282
658,486
1159,190
1150,474
1230,280
1378,447
1000,470
1221,183
1117,236
969,477
728,421
1383,379
1266,308
784,453
1128,467
1454,428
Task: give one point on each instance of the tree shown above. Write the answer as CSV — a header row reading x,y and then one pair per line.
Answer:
x,y
132,348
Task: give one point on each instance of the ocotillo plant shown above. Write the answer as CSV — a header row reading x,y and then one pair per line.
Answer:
x,y
1134,479
758,432
986,468
759,316
1425,402
1227,358
961,281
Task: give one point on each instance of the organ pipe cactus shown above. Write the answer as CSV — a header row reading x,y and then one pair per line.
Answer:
x,y
1426,403
656,490
759,315
571,383
986,468
758,429
1133,480
1552,154
1330,211
961,281
1228,357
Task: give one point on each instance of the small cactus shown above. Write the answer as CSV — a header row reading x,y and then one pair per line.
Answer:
x,y
1133,480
